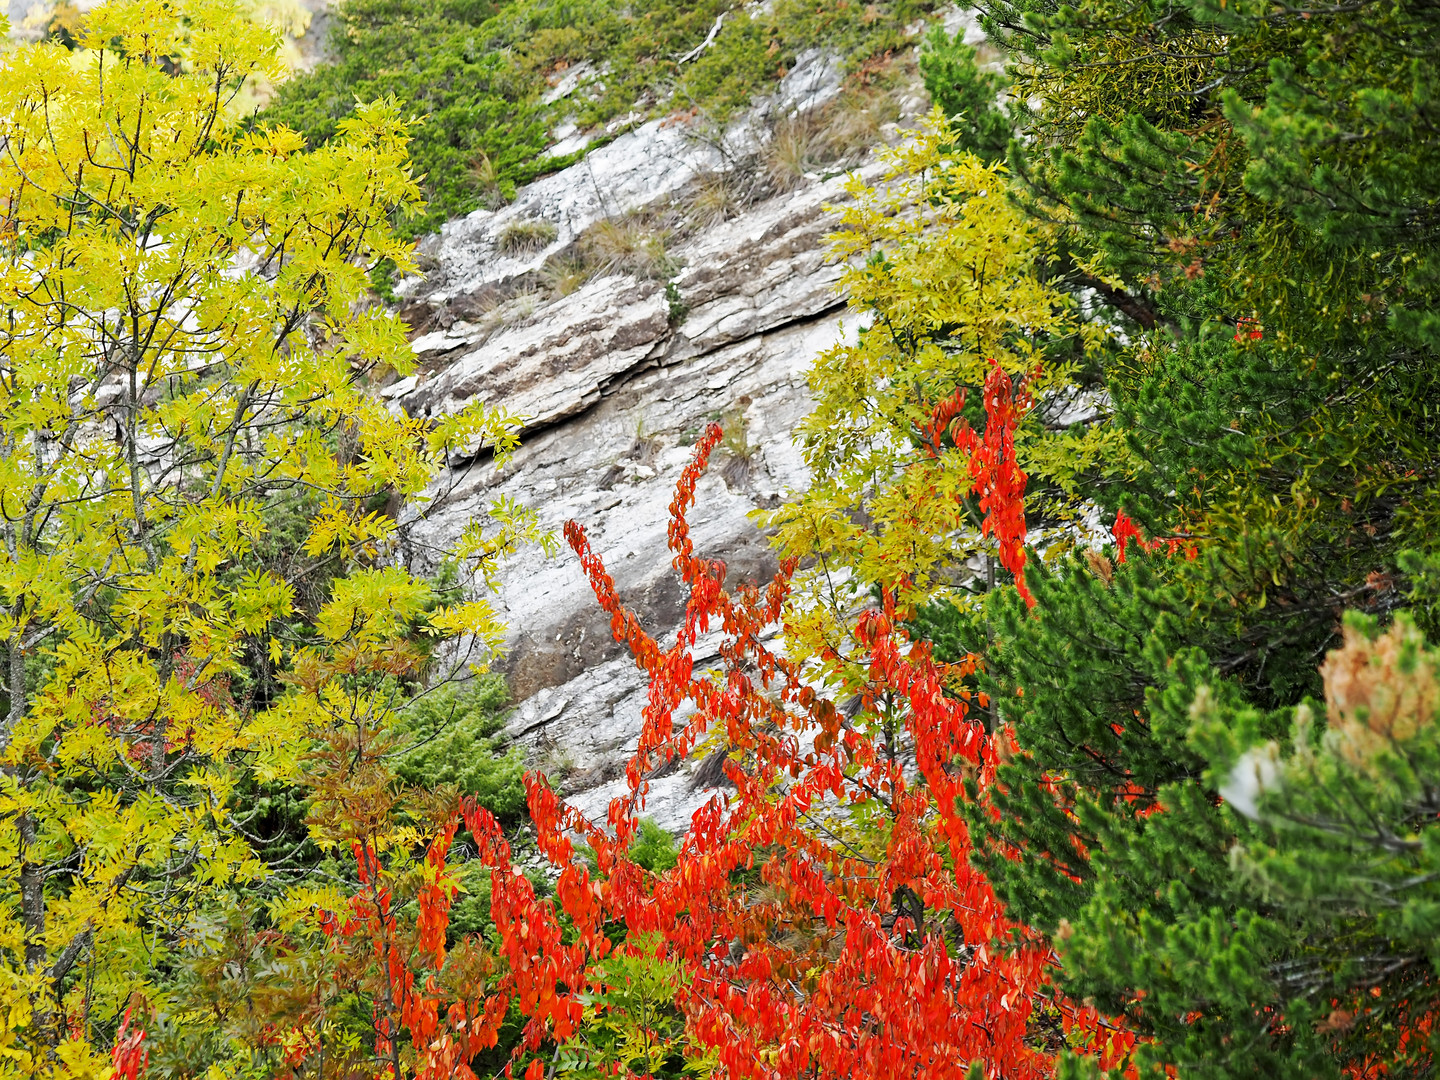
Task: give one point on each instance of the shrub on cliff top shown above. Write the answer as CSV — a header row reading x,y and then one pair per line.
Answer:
x,y
477,72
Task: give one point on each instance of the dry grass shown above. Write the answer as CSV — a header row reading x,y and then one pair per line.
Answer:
x,y
563,274
626,246
521,306
834,137
715,197
495,308
856,123
487,180
795,150
522,237
739,451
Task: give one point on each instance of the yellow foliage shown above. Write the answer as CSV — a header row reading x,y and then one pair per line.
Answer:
x,y
182,344
947,277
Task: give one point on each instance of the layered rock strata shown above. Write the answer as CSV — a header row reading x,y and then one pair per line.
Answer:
x,y
616,380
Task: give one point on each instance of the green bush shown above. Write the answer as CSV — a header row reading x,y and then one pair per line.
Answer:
x,y
1247,886
477,104
654,848
966,93
449,736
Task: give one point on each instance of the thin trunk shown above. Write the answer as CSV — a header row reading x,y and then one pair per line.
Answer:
x,y
32,897
160,728
15,677
32,873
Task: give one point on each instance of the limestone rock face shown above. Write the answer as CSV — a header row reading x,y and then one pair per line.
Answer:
x,y
755,275
616,380
550,366
639,167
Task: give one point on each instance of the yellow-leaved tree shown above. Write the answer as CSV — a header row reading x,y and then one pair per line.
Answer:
x,y
951,281
183,343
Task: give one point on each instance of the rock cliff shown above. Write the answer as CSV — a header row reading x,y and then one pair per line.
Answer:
x,y
617,371
615,380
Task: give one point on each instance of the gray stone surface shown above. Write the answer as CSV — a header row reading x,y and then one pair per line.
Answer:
x,y
746,278
649,163
614,397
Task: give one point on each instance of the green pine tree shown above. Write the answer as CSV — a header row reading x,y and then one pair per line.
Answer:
x,y
967,93
1249,192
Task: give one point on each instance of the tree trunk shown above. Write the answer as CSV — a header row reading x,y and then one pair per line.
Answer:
x,y
32,896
